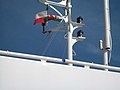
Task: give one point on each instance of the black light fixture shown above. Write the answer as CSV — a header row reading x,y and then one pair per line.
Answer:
x,y
79,19
80,33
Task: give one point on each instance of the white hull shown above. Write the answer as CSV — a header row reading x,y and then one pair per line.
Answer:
x,y
22,74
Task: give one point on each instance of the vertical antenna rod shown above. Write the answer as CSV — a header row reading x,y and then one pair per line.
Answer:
x,y
107,45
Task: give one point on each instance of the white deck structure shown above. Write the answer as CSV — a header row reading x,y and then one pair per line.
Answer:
x,y
30,72
24,74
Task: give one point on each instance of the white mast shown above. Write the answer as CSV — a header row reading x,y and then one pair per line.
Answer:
x,y
70,56
71,25
107,45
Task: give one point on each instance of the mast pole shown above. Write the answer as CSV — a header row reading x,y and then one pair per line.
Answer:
x,y
71,25
107,46
70,55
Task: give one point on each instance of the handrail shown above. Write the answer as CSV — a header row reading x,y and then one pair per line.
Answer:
x,y
28,56
93,65
43,58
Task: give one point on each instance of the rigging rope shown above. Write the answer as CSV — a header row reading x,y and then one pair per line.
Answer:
x,y
63,56
49,43
74,53
53,36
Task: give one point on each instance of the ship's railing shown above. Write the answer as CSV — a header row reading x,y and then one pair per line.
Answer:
x,y
57,60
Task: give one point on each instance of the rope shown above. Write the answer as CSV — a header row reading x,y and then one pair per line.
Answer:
x,y
47,36
63,56
52,37
74,53
49,43
57,28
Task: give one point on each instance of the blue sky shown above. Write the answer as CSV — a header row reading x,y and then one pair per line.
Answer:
x,y
17,32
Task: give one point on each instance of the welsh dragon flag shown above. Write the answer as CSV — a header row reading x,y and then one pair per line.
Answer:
x,y
42,17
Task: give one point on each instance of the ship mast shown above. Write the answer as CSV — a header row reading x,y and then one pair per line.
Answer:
x,y
71,25
70,55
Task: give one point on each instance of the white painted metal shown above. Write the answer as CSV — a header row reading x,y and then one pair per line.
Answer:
x,y
71,27
107,32
60,4
70,30
23,74
98,66
105,57
55,10
43,58
107,24
101,44
21,55
77,24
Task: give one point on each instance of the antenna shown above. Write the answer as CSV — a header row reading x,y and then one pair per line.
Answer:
x,y
107,32
106,44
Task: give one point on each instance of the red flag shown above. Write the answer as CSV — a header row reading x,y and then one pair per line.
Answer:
x,y
40,17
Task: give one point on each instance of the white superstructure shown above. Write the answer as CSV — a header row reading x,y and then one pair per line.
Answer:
x,y
20,71
24,74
